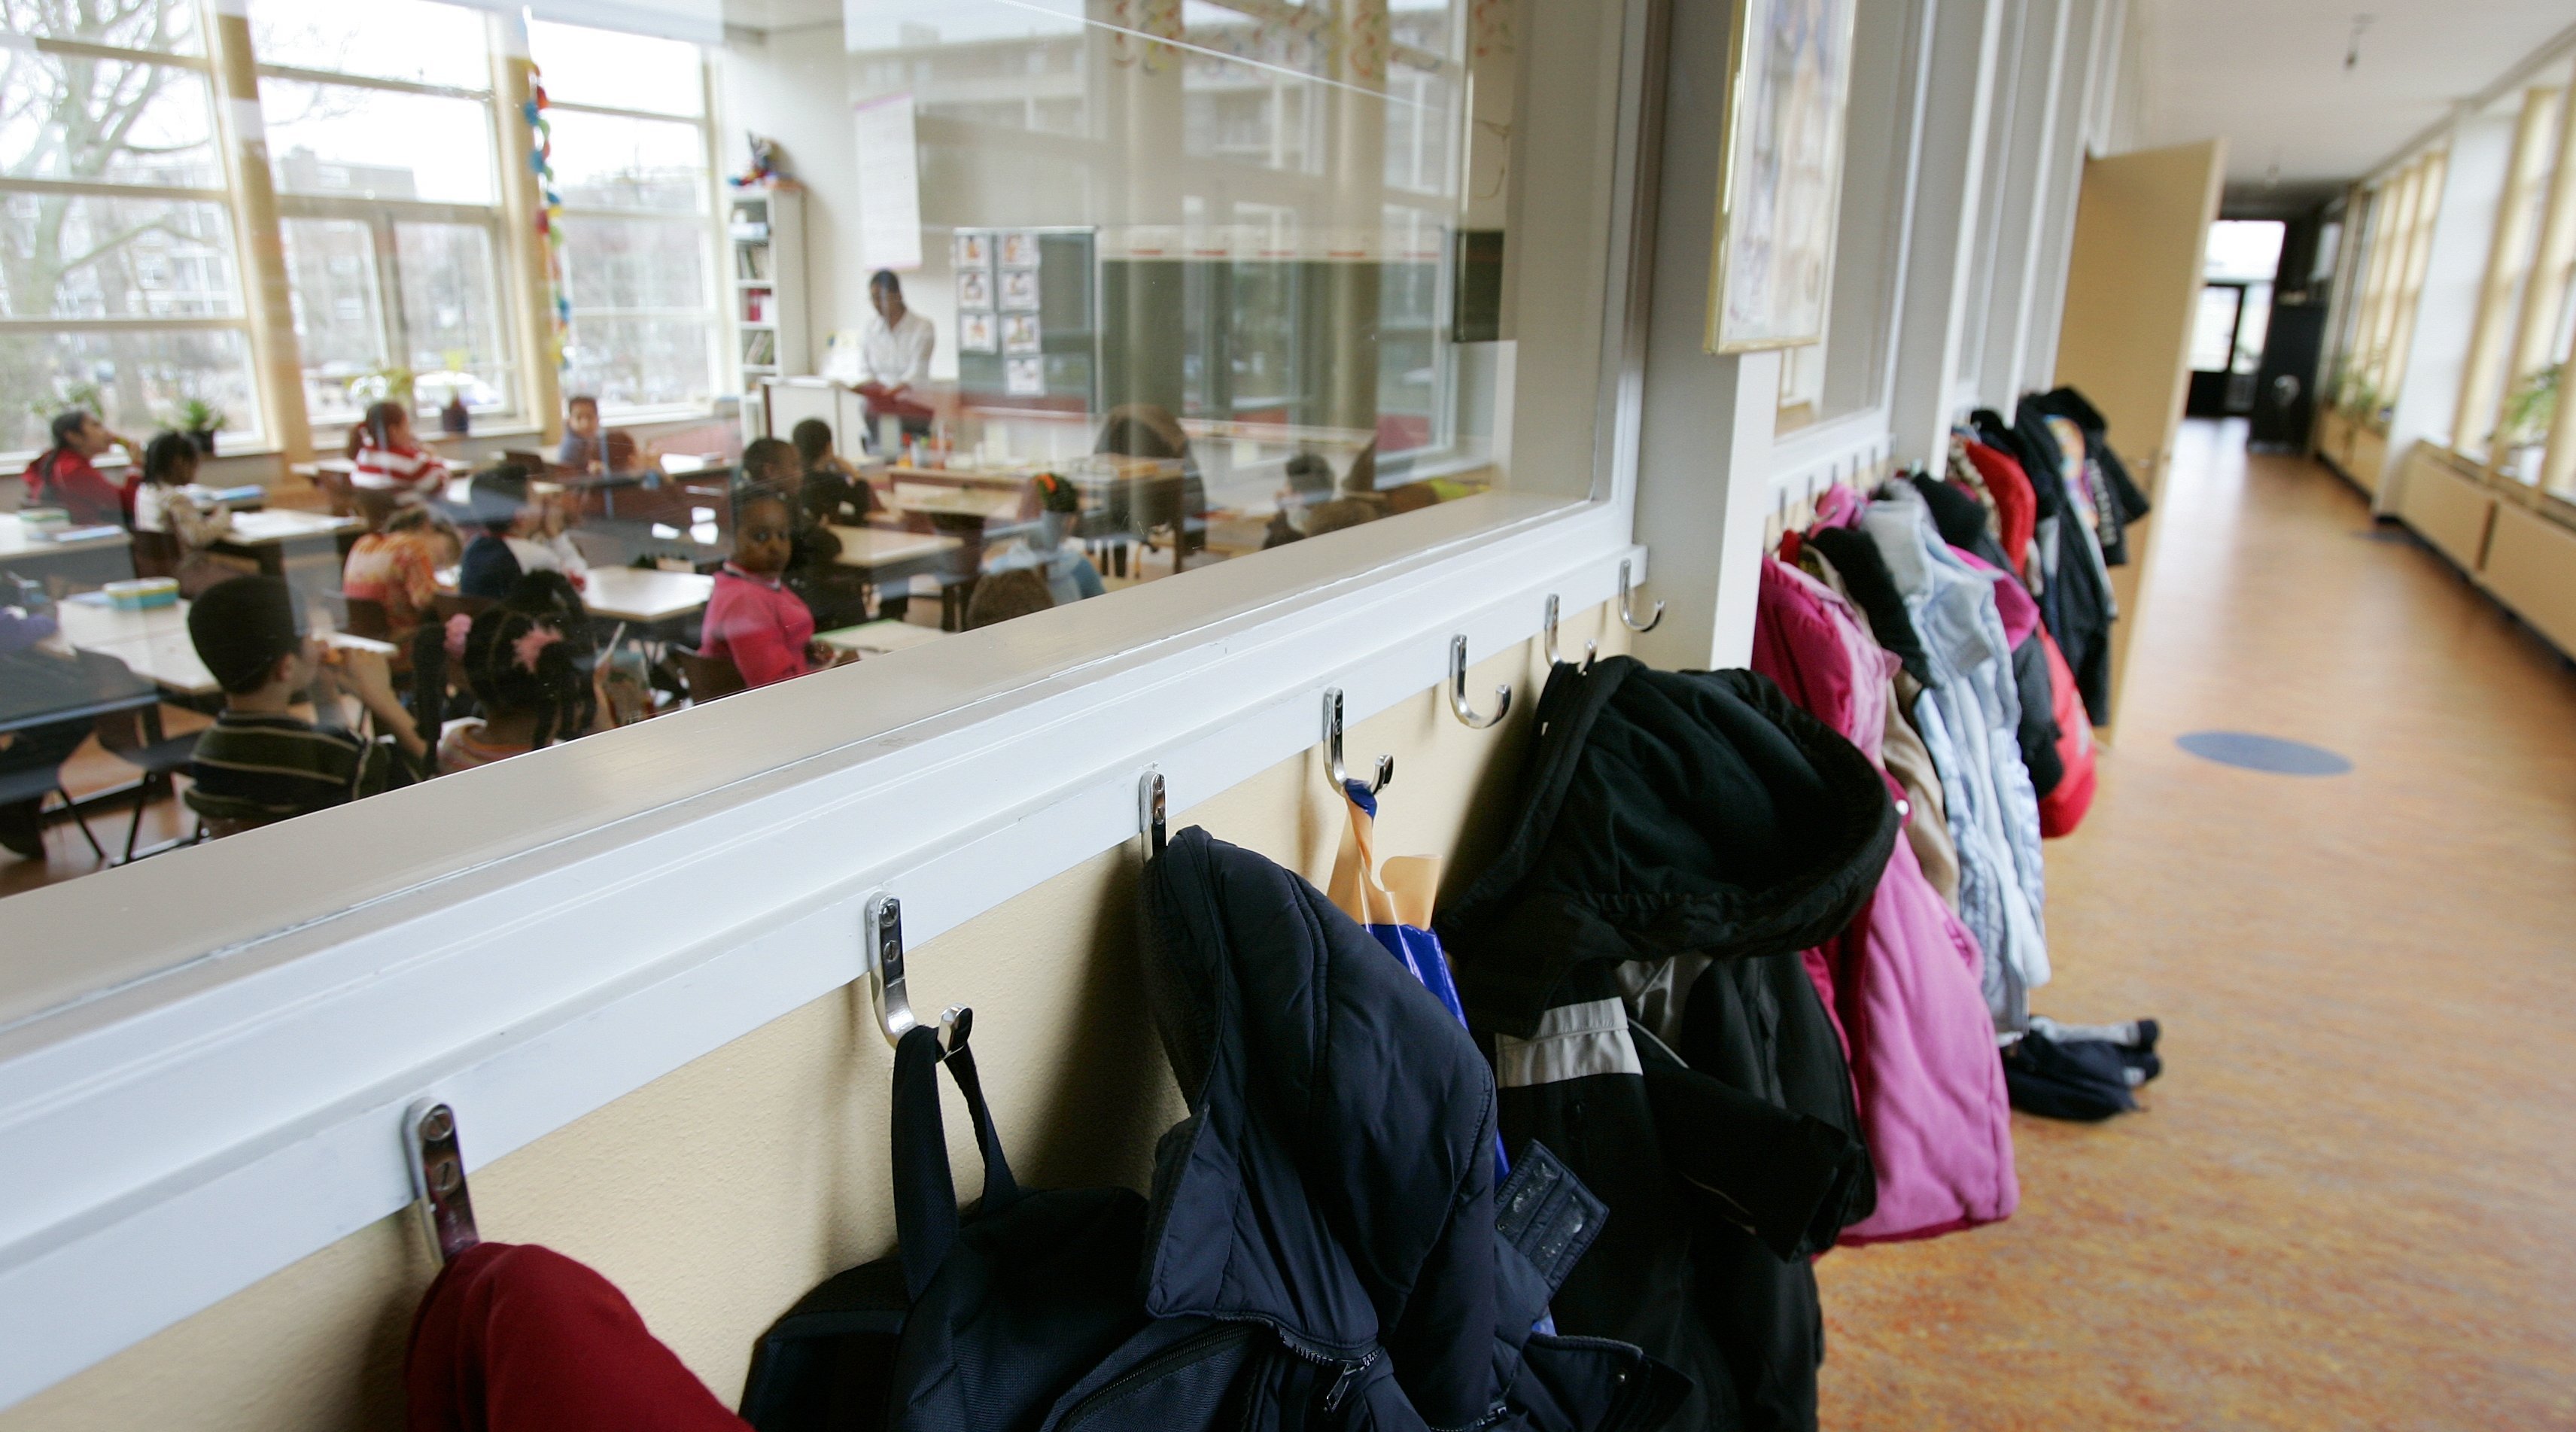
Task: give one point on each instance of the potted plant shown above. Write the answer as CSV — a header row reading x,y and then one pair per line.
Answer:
x,y
200,420
2528,415
390,384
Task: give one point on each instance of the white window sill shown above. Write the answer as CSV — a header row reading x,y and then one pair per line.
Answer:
x,y
533,940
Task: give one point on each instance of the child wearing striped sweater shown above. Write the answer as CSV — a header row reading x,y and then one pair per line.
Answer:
x,y
387,456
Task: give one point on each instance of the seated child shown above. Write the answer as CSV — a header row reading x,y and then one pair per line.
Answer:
x,y
162,504
63,475
1069,575
833,593
765,630
398,568
833,490
261,762
42,674
529,662
388,457
519,536
581,447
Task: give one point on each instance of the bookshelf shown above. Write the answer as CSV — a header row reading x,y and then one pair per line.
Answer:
x,y
766,228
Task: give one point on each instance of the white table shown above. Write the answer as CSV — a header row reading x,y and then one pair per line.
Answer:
x,y
644,596
880,551
155,643
19,540
955,502
274,525
879,638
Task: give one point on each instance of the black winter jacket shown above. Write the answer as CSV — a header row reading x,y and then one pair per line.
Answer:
x,y
1335,1179
1633,955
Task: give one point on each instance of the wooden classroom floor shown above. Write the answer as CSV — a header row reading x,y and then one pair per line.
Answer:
x,y
2351,1200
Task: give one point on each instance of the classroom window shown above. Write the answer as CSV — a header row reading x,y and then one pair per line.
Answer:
x,y
632,166
119,279
382,148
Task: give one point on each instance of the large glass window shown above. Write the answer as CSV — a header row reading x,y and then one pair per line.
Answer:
x,y
120,286
632,166
381,143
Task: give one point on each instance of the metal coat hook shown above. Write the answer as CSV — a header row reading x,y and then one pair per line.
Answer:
x,y
1458,690
1629,616
885,964
1333,750
1150,801
1548,630
438,1177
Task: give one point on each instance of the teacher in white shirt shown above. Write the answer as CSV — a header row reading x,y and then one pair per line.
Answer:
x,y
894,355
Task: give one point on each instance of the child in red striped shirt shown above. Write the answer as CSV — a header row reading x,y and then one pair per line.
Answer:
x,y
387,455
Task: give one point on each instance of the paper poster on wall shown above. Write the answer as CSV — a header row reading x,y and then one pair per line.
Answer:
x,y
889,185
975,332
1020,288
1020,333
972,248
1019,250
1024,377
974,288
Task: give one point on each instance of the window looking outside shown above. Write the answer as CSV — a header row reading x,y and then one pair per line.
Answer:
x,y
120,286
631,161
2498,409
382,148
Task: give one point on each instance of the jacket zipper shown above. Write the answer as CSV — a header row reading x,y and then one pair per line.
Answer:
x,y
1349,1373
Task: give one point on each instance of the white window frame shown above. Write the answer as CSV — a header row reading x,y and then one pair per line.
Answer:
x,y
381,214
206,1062
221,195
722,317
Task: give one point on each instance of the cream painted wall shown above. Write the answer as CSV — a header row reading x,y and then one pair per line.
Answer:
x,y
718,1194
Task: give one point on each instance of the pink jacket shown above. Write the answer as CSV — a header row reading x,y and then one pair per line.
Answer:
x,y
1901,981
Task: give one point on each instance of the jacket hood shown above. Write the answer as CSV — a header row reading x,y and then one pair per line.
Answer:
x,y
1664,813
1335,1177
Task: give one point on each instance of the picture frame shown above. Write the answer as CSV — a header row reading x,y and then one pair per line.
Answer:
x,y
1024,377
976,333
1019,288
1020,333
974,288
1779,183
972,248
1020,250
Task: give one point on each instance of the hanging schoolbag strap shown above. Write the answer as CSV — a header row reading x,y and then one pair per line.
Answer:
x,y
925,1192
1000,1189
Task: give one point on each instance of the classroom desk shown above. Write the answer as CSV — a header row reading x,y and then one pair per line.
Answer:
x,y
644,596
155,643
1009,479
276,537
103,556
884,556
880,637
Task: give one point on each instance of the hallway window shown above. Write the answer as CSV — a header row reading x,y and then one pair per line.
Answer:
x,y
2498,396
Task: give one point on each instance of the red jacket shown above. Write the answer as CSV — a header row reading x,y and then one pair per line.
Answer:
x,y
65,479
2016,506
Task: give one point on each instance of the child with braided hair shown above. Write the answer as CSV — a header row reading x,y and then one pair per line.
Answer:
x,y
529,664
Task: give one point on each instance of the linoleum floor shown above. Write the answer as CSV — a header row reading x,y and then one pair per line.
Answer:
x,y
2351,1200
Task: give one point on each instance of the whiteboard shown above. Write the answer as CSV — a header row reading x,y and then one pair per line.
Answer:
x,y
889,185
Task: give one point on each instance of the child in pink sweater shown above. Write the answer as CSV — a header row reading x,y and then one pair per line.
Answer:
x,y
765,630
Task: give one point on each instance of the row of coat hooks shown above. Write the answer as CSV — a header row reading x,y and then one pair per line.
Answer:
x,y
430,1143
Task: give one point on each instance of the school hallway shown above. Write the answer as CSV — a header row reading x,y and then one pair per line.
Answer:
x,y
2350,1201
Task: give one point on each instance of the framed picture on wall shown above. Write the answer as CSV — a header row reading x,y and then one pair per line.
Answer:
x,y
1020,333
1779,183
975,332
973,248
1019,288
1019,250
974,288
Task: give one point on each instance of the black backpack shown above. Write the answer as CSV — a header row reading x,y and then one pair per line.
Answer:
x,y
1024,1315
1027,1315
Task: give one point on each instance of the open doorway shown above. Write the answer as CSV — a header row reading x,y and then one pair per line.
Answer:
x,y
2234,315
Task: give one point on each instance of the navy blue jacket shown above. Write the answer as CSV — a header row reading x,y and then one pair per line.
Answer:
x,y
1335,1178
